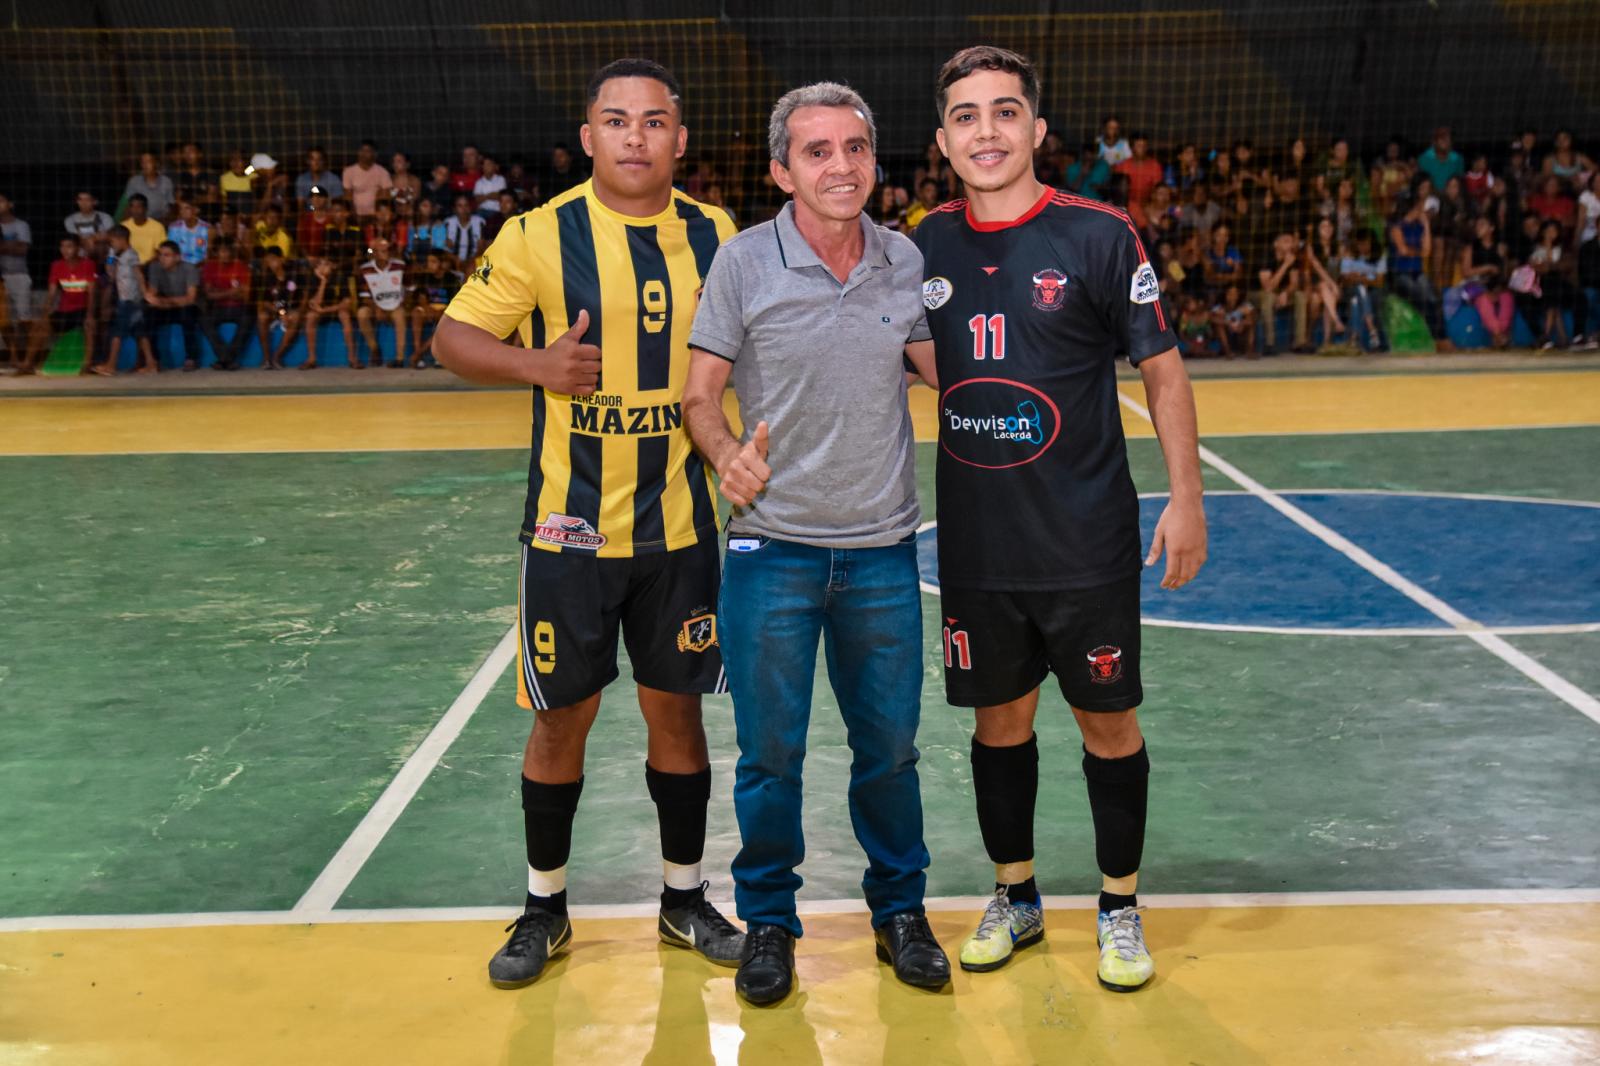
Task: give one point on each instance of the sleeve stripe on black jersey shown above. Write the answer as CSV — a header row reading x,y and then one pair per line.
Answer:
x,y
1068,200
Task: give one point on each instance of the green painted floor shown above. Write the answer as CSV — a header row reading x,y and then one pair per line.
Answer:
x,y
213,664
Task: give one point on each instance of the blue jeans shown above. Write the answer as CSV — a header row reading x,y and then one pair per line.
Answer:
x,y
866,605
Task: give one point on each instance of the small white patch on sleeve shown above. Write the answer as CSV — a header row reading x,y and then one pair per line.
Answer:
x,y
936,292
1145,289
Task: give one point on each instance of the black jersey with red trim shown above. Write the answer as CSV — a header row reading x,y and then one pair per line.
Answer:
x,y
1028,319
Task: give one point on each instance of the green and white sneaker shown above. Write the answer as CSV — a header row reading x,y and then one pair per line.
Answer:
x,y
1125,963
1005,929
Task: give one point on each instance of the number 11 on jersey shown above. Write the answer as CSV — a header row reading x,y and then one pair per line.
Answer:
x,y
995,328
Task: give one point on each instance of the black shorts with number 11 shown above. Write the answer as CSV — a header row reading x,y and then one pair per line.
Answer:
x,y
998,646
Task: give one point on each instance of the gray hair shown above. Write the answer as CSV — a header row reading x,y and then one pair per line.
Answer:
x,y
818,94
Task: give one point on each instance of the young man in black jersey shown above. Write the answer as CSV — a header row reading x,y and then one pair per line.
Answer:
x,y
1031,295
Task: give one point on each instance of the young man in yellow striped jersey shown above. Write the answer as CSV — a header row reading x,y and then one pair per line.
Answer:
x,y
620,528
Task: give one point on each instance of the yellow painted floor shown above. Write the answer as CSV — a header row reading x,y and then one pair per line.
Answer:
x,y
405,421
1359,984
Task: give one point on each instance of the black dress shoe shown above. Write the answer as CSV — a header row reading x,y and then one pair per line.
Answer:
x,y
767,972
907,944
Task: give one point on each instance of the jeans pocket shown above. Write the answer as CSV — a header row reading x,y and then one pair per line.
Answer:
x,y
744,543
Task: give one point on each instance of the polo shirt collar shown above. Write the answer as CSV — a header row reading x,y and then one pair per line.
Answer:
x,y
796,250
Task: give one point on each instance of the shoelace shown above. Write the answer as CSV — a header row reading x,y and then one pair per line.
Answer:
x,y
914,927
705,912
527,925
767,940
1126,934
996,914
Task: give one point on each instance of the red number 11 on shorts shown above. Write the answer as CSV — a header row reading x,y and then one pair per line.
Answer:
x,y
957,648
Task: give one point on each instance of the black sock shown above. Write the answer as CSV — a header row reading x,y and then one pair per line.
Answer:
x,y
1006,781
1110,901
1118,791
547,812
1021,892
680,801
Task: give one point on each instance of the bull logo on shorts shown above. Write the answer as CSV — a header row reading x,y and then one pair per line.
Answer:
x,y
698,634
1105,664
1049,290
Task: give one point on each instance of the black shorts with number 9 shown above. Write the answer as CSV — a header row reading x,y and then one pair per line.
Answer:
x,y
998,646
571,607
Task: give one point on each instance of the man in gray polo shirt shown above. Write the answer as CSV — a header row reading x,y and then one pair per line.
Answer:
x,y
814,316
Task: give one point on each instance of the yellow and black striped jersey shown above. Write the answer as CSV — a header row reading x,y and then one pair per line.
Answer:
x,y
612,473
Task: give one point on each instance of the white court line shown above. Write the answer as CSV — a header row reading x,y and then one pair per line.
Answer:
x,y
359,846
1492,497
1489,897
1548,679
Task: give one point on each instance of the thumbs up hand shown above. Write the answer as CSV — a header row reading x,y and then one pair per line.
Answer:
x,y
567,365
745,473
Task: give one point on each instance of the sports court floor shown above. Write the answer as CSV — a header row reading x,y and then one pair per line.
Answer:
x,y
258,755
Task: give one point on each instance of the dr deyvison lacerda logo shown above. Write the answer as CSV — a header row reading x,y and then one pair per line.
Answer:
x,y
996,423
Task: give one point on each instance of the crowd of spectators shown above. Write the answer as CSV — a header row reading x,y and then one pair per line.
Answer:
x,y
272,253
1306,239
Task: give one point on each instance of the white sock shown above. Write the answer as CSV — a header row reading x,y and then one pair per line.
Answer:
x,y
680,877
547,882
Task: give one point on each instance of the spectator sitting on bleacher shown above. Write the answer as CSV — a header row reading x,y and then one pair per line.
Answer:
x,y
927,199
384,224
1483,280
463,234
365,181
487,189
436,286
226,283
1087,173
269,233
171,293
237,192
1441,162
508,208
66,305
154,186
194,183
191,233
316,176
342,239
1200,213
463,178
1361,273
87,223
280,300
1233,322
1589,235
1566,162
437,191
1144,174
144,232
382,291
1282,287
1110,145
313,220
1223,266
405,187
1559,292
329,289
1185,172
1552,203
427,232
1410,245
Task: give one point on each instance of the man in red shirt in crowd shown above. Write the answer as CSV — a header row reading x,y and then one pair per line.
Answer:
x,y
1144,174
313,220
471,170
226,283
66,306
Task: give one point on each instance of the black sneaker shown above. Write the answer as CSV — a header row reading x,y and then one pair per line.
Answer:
x,y
700,927
535,937
767,972
906,943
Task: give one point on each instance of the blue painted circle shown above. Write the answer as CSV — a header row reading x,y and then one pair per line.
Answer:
x,y
1499,562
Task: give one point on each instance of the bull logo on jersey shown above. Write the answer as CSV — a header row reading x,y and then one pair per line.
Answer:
x,y
1049,290
698,633
1105,664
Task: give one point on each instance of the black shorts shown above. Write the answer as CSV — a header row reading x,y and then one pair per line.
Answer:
x,y
66,321
571,606
998,646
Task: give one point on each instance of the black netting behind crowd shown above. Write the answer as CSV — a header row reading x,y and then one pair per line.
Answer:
x,y
86,86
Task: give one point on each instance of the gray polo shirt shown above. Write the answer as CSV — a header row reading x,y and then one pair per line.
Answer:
x,y
822,364
174,282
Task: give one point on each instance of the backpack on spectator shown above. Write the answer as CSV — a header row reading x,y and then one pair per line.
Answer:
x,y
1525,280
